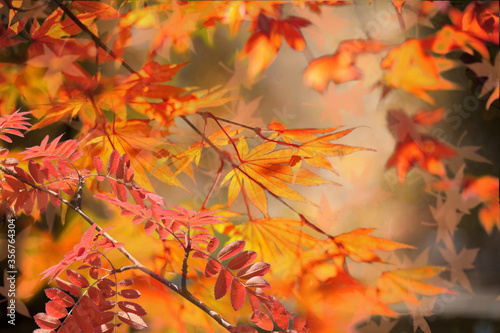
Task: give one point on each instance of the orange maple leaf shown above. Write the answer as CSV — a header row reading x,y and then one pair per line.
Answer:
x,y
426,154
479,19
485,189
339,67
359,245
313,148
271,168
272,238
262,47
412,69
57,65
404,285
140,141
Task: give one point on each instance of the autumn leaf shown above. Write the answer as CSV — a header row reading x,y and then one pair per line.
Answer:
x,y
405,284
184,158
359,245
398,5
263,45
459,262
426,154
479,19
11,124
314,148
269,167
56,64
485,189
140,142
449,39
286,234
412,69
492,73
339,67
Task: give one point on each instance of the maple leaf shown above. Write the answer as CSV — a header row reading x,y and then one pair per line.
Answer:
x,y
449,39
95,9
325,216
486,189
402,127
427,154
56,65
140,142
339,67
359,245
262,47
420,311
261,53
398,5
176,33
313,148
54,34
271,168
447,220
459,262
479,19
286,234
492,73
322,26
404,284
245,113
297,135
412,69
193,153
80,98
6,37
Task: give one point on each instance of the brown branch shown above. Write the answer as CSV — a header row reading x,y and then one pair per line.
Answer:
x,y
185,268
137,264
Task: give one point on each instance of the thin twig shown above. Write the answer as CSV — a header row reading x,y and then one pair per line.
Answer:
x,y
79,192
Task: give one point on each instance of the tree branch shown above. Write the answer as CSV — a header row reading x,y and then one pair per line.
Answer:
x,y
185,268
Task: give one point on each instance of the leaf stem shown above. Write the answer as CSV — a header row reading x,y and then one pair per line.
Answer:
x,y
219,173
